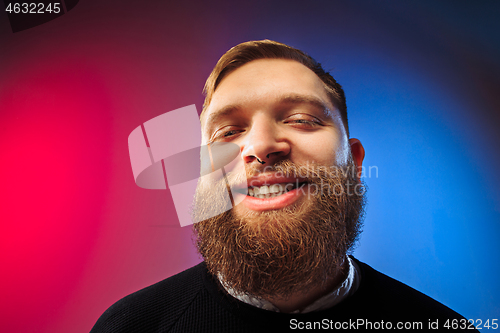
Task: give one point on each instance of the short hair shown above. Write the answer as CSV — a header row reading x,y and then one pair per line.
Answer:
x,y
246,52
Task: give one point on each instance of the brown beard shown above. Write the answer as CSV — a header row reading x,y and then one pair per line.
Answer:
x,y
280,252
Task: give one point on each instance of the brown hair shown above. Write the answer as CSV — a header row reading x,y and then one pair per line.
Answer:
x,y
267,49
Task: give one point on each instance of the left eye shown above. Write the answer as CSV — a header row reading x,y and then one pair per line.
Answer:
x,y
302,121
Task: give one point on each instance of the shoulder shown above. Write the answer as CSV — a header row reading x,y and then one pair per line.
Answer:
x,y
154,307
383,293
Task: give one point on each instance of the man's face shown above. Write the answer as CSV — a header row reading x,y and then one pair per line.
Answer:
x,y
286,240
275,109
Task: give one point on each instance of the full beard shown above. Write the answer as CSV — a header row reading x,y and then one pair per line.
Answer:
x,y
281,252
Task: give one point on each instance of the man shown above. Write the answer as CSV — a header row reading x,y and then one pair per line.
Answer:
x,y
278,260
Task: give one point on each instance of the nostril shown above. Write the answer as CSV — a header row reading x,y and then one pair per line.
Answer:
x,y
260,161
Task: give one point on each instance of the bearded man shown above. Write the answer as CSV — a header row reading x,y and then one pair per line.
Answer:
x,y
278,260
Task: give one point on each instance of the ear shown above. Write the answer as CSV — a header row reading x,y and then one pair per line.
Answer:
x,y
358,154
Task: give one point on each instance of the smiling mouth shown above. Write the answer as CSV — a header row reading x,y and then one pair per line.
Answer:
x,y
274,190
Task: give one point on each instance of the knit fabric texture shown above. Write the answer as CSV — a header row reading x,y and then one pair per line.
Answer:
x,y
194,301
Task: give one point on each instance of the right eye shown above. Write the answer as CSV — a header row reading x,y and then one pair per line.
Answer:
x,y
229,133
226,133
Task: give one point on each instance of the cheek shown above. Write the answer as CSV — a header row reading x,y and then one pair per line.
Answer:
x,y
324,149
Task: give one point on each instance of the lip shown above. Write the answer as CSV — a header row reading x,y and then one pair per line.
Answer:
x,y
269,179
263,204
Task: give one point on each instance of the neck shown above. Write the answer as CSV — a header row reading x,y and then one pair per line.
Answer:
x,y
300,300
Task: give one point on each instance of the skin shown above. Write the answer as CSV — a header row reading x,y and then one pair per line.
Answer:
x,y
279,109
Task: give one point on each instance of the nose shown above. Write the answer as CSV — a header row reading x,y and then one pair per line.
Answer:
x,y
264,143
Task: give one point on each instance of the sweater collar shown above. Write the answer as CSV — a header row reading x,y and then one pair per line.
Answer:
x,y
343,291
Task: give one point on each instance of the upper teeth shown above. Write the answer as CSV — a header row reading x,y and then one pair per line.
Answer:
x,y
270,191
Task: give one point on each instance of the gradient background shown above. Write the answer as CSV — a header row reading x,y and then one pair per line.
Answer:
x,y
422,80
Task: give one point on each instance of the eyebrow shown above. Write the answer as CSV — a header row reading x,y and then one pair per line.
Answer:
x,y
222,113
226,111
307,99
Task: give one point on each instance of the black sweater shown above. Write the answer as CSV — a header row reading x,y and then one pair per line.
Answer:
x,y
194,301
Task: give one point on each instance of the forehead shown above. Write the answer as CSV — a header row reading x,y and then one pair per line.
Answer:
x,y
260,83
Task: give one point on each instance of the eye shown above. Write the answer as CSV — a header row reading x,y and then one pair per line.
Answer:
x,y
303,120
229,133
225,133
